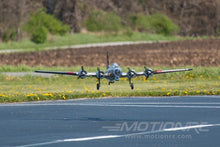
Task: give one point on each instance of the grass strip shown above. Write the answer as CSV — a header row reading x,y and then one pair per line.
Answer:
x,y
78,39
200,81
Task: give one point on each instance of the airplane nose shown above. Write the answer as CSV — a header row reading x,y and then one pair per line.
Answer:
x,y
117,72
117,78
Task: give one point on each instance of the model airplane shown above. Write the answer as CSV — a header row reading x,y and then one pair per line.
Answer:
x,y
114,73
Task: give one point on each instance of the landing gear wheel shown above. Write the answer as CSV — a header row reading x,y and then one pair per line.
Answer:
x,y
97,86
132,86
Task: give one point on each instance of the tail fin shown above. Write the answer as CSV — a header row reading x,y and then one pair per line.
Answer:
x,y
107,60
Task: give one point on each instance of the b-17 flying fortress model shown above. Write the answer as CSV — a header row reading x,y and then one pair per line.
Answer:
x,y
114,73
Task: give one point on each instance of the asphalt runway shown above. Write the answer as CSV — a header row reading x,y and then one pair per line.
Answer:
x,y
136,121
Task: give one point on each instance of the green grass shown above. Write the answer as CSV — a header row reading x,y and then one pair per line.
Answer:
x,y
76,39
200,81
197,71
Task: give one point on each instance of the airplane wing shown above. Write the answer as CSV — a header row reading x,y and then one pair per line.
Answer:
x,y
67,73
151,72
58,72
170,70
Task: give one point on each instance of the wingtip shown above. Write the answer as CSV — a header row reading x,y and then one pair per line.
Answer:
x,y
190,69
39,71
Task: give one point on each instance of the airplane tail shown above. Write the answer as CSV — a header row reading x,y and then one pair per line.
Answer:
x,y
107,60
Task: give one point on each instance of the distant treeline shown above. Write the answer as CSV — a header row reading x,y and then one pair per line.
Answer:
x,y
185,17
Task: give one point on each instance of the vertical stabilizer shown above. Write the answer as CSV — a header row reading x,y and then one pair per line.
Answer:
x,y
107,60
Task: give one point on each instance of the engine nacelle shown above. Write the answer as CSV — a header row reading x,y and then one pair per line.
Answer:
x,y
82,73
148,72
100,74
131,74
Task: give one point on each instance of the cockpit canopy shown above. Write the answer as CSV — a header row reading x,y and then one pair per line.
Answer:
x,y
115,65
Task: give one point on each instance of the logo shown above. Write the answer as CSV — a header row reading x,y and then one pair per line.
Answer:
x,y
145,126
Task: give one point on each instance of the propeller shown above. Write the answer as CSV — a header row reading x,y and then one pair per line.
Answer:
x,y
148,72
99,73
131,73
82,73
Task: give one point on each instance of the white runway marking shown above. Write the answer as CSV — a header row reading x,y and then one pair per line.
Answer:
x,y
190,127
141,105
117,136
91,138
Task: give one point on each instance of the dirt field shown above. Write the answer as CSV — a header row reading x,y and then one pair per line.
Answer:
x,y
183,53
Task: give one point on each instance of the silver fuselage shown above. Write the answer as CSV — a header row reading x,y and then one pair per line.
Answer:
x,y
113,73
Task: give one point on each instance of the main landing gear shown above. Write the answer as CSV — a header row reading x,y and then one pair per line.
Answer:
x,y
131,84
131,74
97,86
99,77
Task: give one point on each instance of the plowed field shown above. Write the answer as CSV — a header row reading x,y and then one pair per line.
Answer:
x,y
182,53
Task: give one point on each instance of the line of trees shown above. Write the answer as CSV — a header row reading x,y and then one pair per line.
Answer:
x,y
194,17
13,14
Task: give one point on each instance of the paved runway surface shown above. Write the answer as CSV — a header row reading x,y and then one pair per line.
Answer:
x,y
165,121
